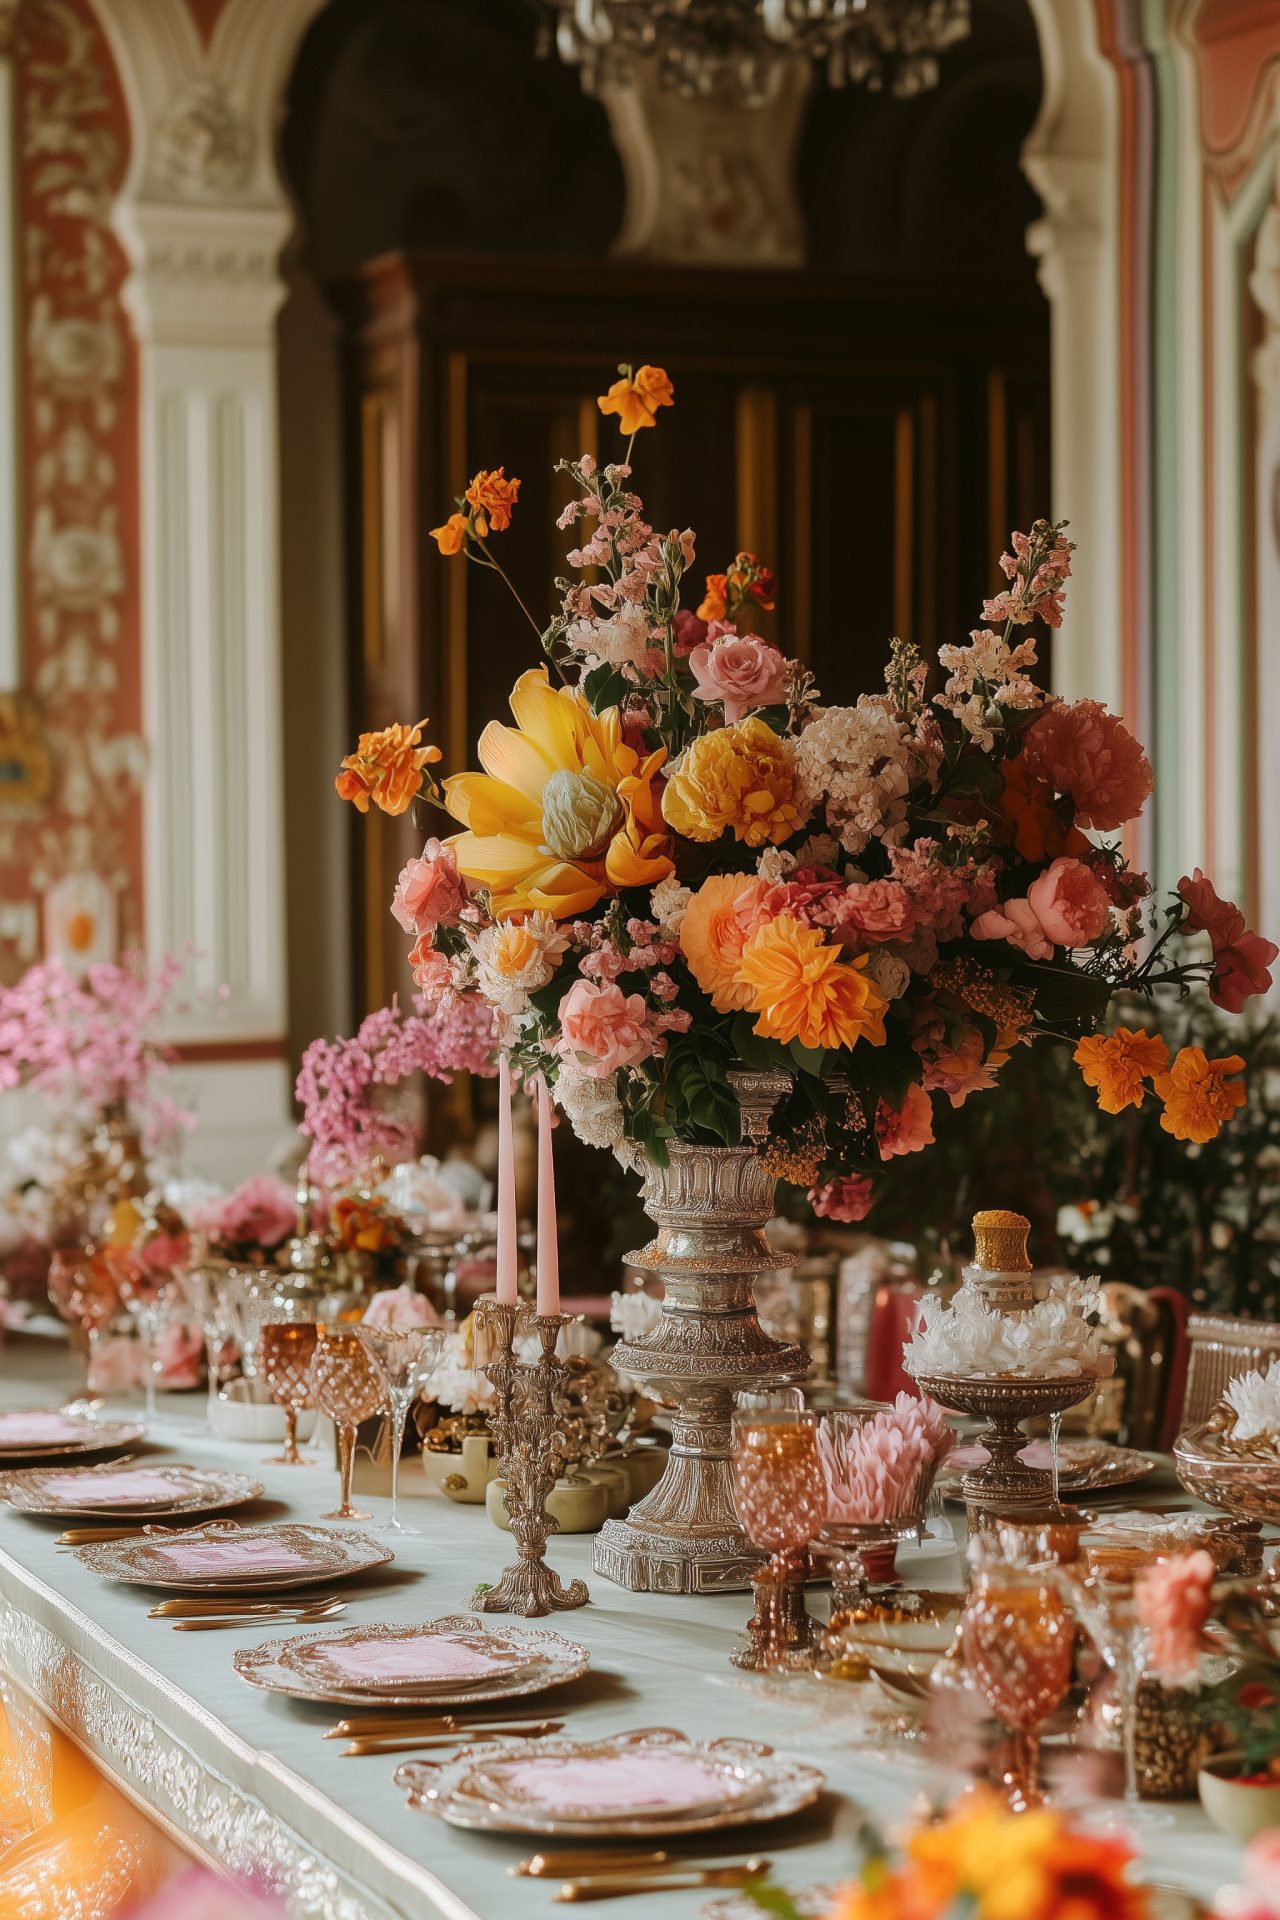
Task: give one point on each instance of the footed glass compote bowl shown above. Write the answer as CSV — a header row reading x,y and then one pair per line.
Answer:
x,y
1005,1481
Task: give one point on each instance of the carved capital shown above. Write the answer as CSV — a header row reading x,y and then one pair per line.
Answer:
x,y
204,150
203,275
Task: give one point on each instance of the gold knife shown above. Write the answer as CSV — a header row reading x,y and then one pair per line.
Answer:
x,y
381,1744
370,1725
540,1866
613,1887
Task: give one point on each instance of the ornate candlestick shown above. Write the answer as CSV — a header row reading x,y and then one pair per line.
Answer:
x,y
527,1434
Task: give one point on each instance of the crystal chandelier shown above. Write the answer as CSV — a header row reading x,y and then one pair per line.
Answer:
x,y
735,50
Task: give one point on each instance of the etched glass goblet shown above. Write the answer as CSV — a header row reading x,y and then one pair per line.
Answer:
x,y
286,1349
782,1500
1018,1638
348,1387
406,1358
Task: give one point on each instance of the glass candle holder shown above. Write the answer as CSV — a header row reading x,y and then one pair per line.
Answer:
x,y
286,1349
348,1388
781,1499
1018,1637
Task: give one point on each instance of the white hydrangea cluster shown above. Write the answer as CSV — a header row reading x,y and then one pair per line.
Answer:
x,y
591,1107
1052,1340
1252,1405
633,1316
854,763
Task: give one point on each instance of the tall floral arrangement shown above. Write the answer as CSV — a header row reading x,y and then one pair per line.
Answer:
x,y
90,1044
678,860
343,1084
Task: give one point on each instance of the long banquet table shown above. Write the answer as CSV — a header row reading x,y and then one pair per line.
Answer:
x,y
246,1780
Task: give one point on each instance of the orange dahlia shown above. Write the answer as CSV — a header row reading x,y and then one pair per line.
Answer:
x,y
803,990
386,768
1199,1097
1118,1066
716,927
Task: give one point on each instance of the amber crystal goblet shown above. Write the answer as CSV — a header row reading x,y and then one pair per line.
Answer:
x,y
348,1387
1018,1637
286,1350
782,1501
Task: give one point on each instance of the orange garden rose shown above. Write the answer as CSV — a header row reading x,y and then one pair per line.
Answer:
x,y
714,604
715,929
363,1226
1118,1065
452,536
636,397
491,496
803,990
386,768
1199,1097
740,778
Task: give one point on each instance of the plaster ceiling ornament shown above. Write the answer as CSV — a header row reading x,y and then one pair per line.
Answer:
x,y
204,149
739,49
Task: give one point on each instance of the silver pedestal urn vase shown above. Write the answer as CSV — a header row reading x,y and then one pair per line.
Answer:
x,y
710,1206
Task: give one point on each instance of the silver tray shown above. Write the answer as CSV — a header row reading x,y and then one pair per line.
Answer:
x,y
559,1661
457,1791
333,1553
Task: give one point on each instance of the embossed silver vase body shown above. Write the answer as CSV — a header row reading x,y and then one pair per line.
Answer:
x,y
710,1207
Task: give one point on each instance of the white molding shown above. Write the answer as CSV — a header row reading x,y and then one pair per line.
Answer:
x,y
11,673
1071,158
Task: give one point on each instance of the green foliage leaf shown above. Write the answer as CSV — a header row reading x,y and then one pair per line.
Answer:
x,y
605,687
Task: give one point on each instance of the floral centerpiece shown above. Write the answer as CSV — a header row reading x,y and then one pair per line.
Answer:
x,y
250,1225
679,866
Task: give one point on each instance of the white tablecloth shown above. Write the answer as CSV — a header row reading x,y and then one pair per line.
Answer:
x,y
247,1779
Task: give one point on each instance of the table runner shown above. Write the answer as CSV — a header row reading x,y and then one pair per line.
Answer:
x,y
250,1780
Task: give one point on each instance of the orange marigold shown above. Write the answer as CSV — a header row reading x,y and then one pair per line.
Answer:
x,y
1199,1097
492,496
386,768
636,397
803,990
452,536
1119,1065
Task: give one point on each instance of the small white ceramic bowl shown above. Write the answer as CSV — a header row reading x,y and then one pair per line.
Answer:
x,y
237,1414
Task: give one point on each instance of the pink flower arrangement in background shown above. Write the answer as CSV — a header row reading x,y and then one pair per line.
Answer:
x,y
846,1200
1174,1599
261,1212
90,1043
400,1309
342,1084
883,1469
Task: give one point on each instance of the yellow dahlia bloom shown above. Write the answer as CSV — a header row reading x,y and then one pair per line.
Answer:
x,y
741,777
564,811
803,990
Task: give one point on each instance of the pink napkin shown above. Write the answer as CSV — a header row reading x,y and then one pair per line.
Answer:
x,y
233,1556
30,1429
431,1657
644,1779
108,1489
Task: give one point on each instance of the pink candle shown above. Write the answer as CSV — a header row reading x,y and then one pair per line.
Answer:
x,y
506,1258
548,1240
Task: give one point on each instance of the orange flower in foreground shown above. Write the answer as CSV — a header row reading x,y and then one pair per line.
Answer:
x,y
1198,1096
493,496
1118,1065
386,768
803,990
716,927
715,603
452,536
636,397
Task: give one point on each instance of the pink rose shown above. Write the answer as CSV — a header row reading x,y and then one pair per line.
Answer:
x,y
164,1251
430,891
1090,755
1240,959
179,1351
1173,1600
742,670
400,1309
603,1028
845,1200
260,1213
909,1130
875,911
1069,903
1017,922
432,974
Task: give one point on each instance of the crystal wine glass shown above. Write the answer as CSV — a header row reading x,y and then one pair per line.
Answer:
x,y
204,1286
348,1387
405,1358
782,1501
1105,1605
286,1349
1018,1639
150,1308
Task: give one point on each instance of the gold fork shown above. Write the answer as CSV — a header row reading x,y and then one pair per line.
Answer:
x,y
193,1607
419,1743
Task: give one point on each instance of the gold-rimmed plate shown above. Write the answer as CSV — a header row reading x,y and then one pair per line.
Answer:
x,y
136,1491
227,1558
557,1662
1084,1466
426,1659
48,1433
649,1781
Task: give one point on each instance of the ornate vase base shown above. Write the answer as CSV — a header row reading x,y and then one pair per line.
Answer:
x,y
645,1560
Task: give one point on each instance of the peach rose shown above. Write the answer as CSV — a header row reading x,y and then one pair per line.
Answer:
x,y
1017,922
603,1028
432,974
875,911
1069,903
718,922
742,670
430,891
909,1130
